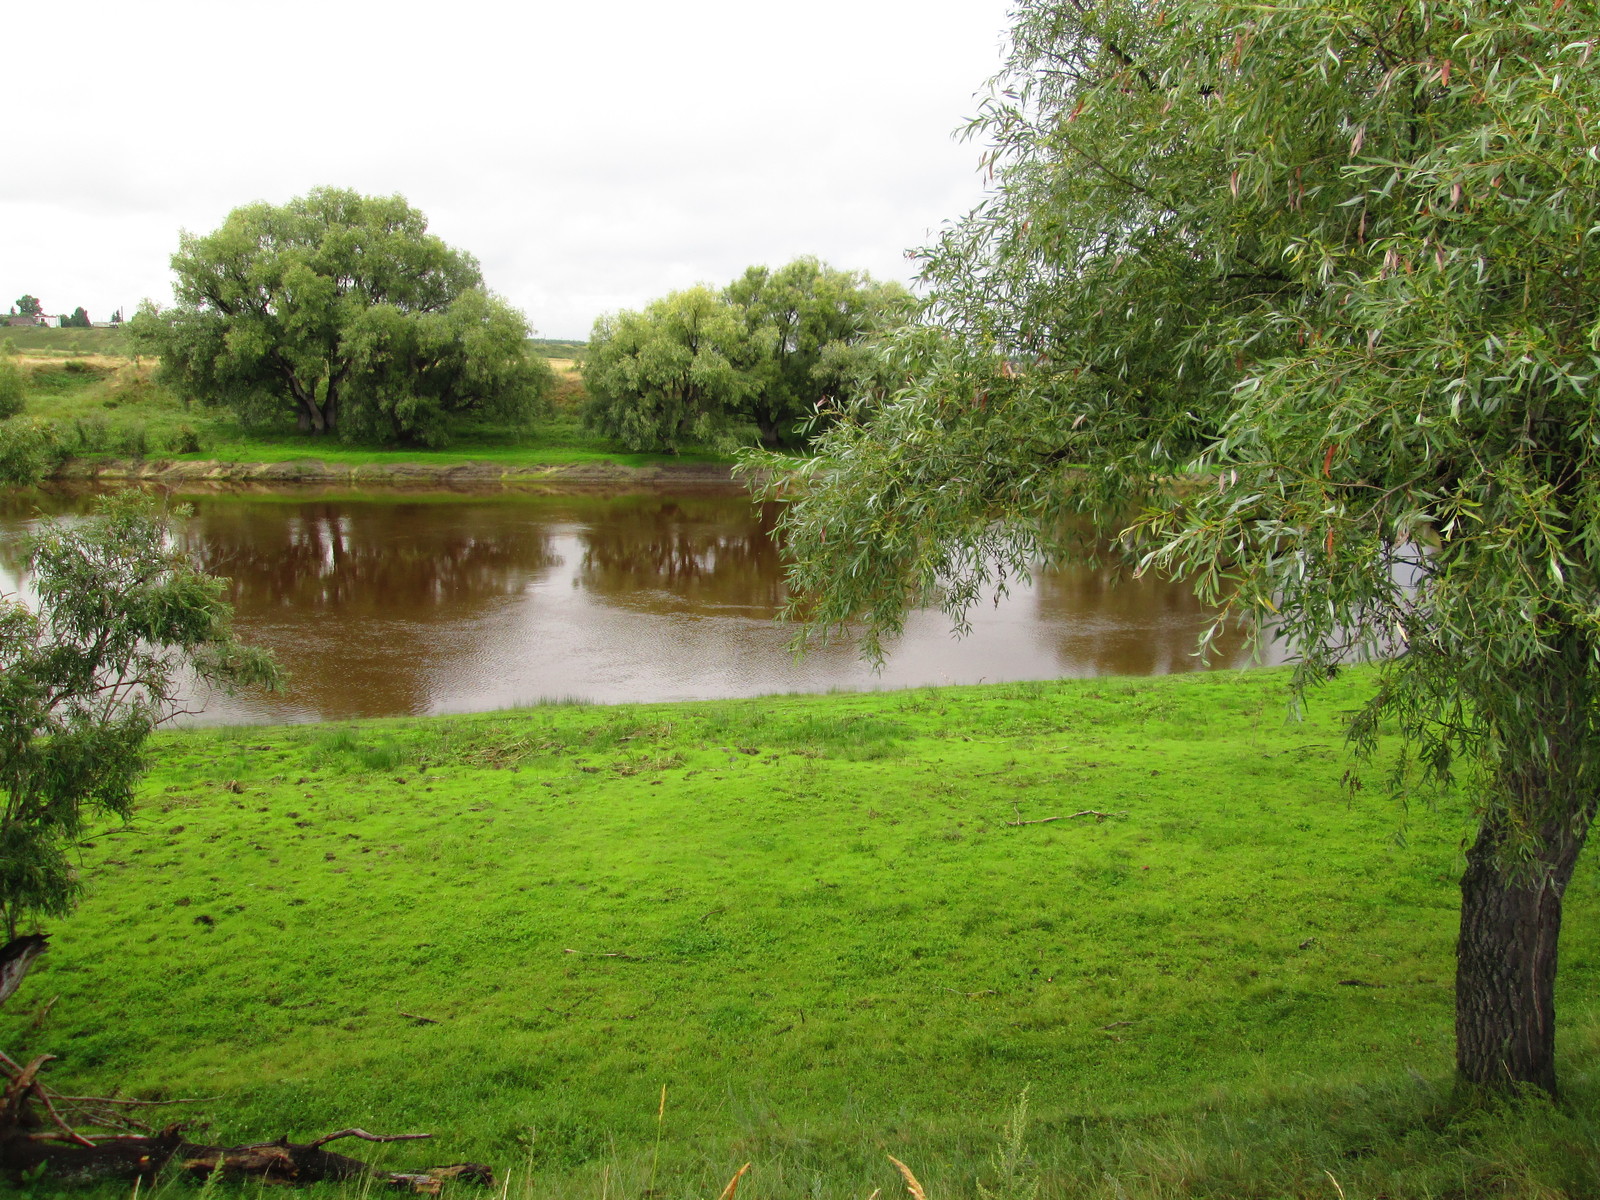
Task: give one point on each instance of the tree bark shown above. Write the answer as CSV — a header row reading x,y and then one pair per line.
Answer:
x,y
1506,961
1518,867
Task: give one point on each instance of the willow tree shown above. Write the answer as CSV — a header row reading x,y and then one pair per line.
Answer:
x,y
668,375
1310,290
808,325
342,312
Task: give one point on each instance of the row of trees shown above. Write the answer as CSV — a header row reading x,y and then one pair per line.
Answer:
x,y
29,306
776,349
342,312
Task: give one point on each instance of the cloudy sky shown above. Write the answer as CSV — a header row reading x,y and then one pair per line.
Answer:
x,y
592,155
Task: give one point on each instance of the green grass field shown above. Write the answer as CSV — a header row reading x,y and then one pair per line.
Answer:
x,y
40,339
813,921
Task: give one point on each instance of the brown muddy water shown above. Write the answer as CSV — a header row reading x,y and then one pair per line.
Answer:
x,y
395,603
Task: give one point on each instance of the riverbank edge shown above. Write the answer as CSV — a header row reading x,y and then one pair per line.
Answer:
x,y
316,470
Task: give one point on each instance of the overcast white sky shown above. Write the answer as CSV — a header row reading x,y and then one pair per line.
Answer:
x,y
592,156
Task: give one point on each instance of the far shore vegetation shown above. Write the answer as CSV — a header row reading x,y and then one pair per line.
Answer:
x,y
834,928
95,399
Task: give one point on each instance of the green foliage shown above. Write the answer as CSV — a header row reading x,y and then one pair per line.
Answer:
x,y
669,375
342,311
79,319
776,349
1014,1174
1306,290
13,388
28,305
27,449
87,677
810,329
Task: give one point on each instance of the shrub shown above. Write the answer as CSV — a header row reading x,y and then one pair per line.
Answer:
x,y
27,449
12,389
134,440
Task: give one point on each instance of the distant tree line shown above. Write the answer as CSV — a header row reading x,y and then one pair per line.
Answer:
x,y
775,349
28,306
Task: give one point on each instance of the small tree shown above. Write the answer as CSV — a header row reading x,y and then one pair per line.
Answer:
x,y
28,306
123,623
771,350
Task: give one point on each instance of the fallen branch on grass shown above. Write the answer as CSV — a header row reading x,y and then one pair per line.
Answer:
x,y
1088,812
606,954
96,1139
125,1158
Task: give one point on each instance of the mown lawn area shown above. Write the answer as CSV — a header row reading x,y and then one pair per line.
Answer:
x,y
814,920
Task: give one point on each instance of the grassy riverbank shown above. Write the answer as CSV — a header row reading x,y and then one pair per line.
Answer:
x,y
105,406
814,920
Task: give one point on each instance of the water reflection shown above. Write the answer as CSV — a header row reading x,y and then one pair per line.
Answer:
x,y
401,603
684,552
1103,622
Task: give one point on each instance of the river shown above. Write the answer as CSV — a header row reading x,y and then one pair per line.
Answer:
x,y
389,603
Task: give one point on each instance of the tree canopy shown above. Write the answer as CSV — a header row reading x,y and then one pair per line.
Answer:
x,y
28,305
666,376
1296,300
772,350
123,622
802,321
341,311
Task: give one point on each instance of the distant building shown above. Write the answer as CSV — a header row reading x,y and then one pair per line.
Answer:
x,y
16,319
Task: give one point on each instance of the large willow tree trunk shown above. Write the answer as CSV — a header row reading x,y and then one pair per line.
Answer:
x,y
1506,961
1518,869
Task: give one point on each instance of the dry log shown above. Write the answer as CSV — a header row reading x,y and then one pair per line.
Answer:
x,y
94,1139
125,1159
16,956
38,1133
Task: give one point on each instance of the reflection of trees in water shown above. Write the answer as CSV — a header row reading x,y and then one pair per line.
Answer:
x,y
711,551
372,605
365,604
1102,621
387,560
24,508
